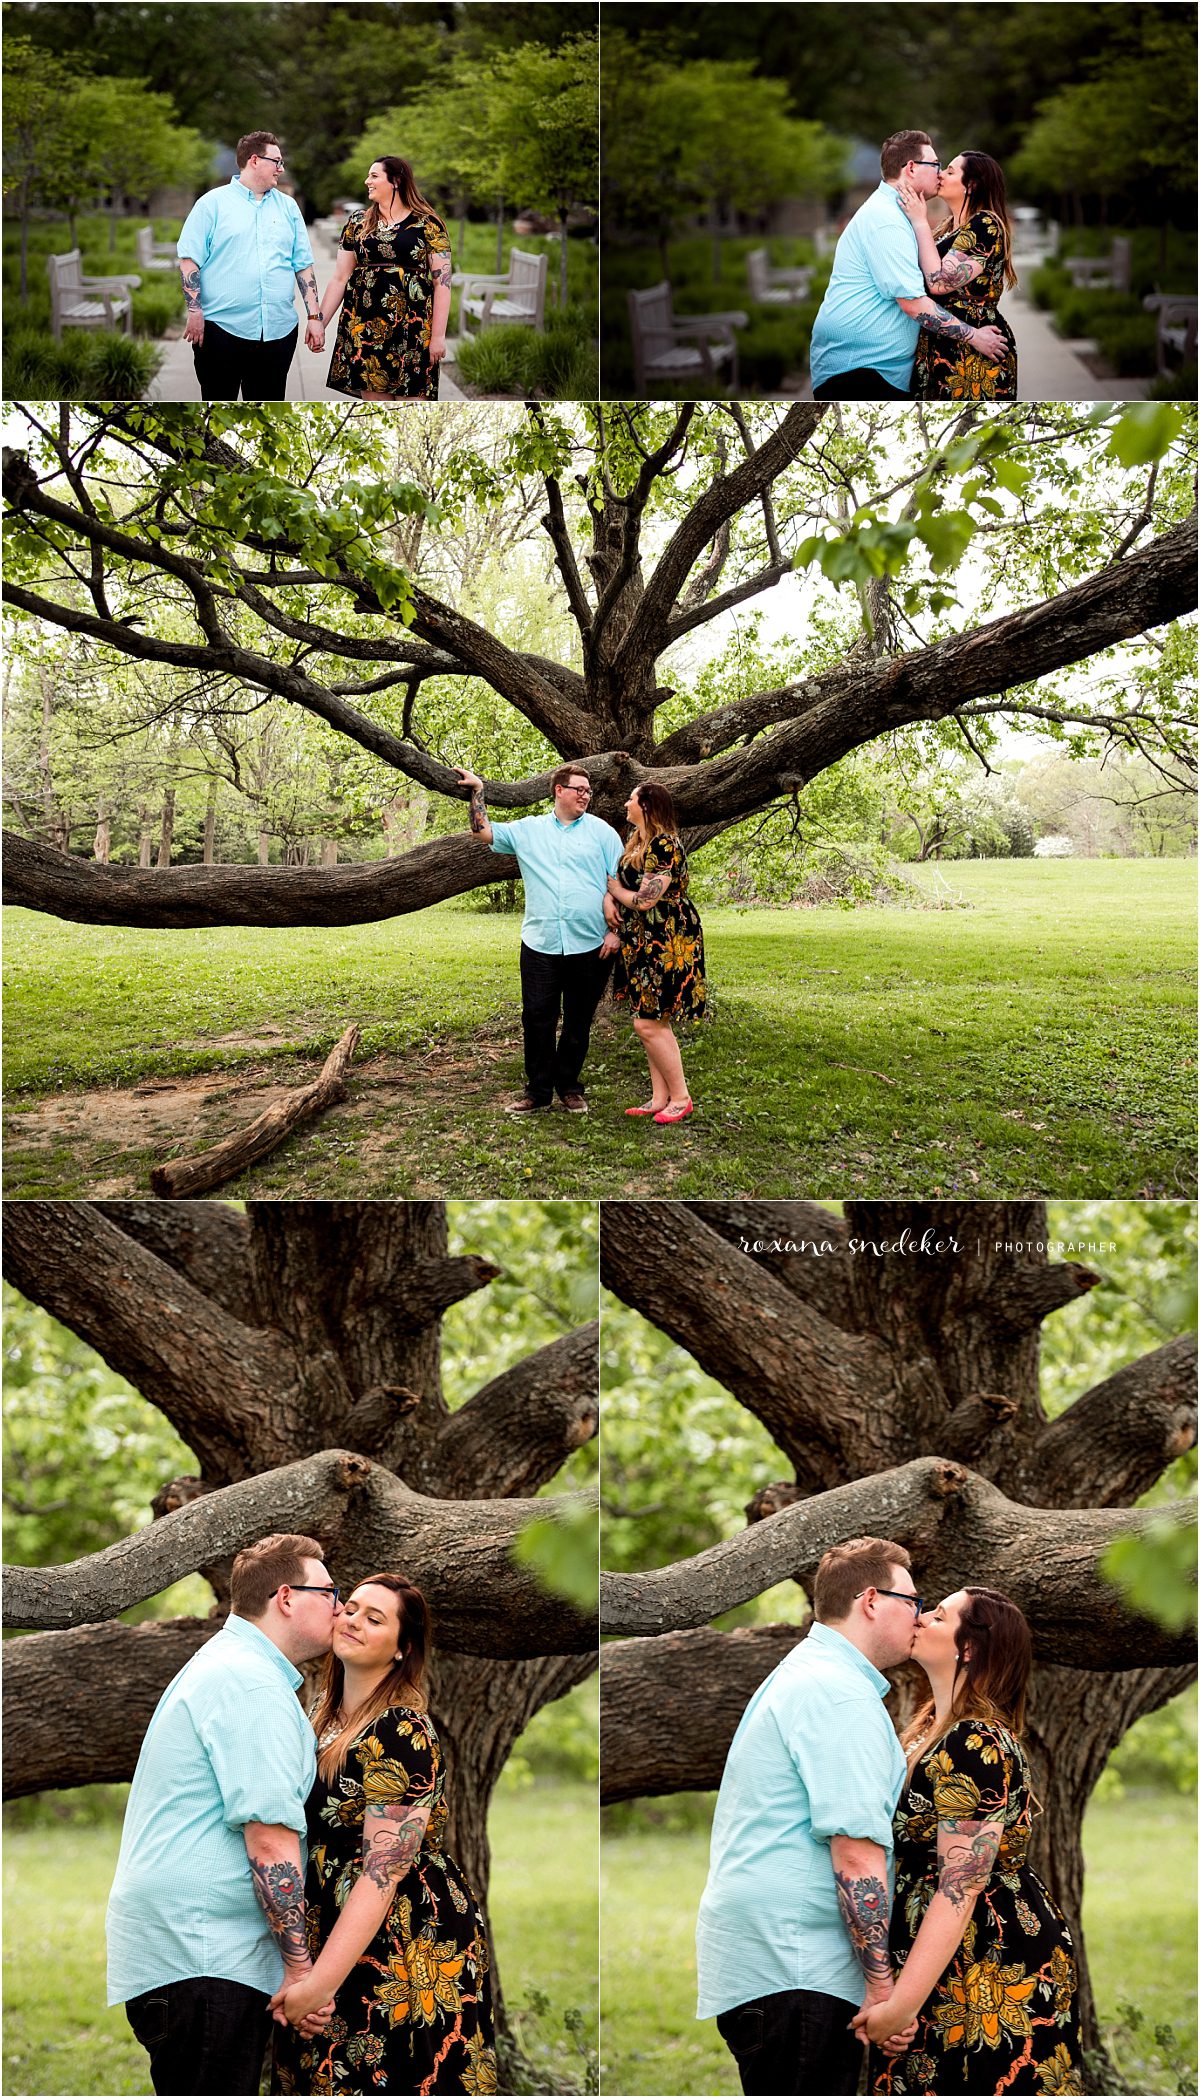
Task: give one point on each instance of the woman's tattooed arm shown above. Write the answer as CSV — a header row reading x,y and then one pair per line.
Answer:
x,y
392,1837
966,1854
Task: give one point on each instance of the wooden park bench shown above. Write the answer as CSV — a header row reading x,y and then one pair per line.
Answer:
x,y
680,349
517,298
155,254
77,301
770,287
1175,342
1097,272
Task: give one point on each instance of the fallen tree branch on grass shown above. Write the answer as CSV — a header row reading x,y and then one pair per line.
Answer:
x,y
182,1177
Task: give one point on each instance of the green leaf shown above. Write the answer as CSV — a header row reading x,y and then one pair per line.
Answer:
x,y
1144,431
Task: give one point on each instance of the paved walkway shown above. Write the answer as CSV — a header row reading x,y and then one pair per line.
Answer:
x,y
176,380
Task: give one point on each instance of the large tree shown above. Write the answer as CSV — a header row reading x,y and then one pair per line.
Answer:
x,y
898,1373
275,558
296,1350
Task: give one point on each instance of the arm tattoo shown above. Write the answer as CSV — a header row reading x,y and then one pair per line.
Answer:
x,y
966,1854
440,270
389,1852
867,1913
940,323
307,280
654,886
280,1891
478,810
954,270
191,289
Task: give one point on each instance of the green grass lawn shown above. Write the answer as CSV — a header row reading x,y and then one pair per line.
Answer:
x,y
1039,1038
59,2037
1139,1916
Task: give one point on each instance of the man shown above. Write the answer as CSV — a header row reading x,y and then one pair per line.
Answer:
x,y
792,1933
865,336
206,1914
565,858
242,252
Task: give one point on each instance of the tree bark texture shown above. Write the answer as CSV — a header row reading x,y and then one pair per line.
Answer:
x,y
893,1355
181,1177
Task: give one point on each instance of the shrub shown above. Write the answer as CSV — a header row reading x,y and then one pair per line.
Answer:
x,y
560,363
122,367
104,365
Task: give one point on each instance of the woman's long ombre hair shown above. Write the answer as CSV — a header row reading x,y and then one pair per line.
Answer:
x,y
658,821
983,181
404,1684
994,1655
404,183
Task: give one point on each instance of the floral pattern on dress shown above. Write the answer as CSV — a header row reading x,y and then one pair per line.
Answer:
x,y
946,370
415,2013
659,972
1004,2015
386,318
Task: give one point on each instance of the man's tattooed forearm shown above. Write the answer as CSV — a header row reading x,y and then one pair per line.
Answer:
x,y
654,886
939,323
191,290
866,1912
389,1853
968,1854
478,810
280,1890
307,280
954,270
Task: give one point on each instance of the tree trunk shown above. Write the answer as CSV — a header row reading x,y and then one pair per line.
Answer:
x,y
102,842
329,851
264,848
499,236
145,835
166,830
210,822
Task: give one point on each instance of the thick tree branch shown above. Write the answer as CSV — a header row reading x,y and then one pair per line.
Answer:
x,y
780,1237
1047,1562
1118,1438
211,1375
101,1682
208,1243
646,1685
459,1552
515,1433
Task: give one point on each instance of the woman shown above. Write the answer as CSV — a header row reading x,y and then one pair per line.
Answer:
x,y
984,1961
392,281
965,269
659,971
393,1929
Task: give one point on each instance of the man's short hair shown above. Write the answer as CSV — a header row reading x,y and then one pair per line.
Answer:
x,y
896,151
566,773
862,1562
274,1562
254,142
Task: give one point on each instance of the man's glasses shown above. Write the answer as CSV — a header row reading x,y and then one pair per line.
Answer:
x,y
917,1601
306,1588
917,164
272,160
584,793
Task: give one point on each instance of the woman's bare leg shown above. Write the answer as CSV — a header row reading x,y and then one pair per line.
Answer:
x,y
648,1032
663,1050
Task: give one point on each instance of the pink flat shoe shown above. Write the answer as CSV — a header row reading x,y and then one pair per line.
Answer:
x,y
674,1114
649,1109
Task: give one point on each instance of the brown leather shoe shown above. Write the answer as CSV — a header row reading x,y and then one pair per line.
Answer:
x,y
525,1104
575,1103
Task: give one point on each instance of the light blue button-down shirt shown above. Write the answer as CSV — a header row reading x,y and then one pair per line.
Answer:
x,y
565,869
859,324
248,250
228,1743
815,1756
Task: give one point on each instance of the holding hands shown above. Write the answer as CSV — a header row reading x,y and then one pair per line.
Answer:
x,y
299,2003
314,334
891,2026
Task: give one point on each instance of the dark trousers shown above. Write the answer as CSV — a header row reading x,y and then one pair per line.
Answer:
x,y
860,385
797,2042
206,2035
554,986
228,365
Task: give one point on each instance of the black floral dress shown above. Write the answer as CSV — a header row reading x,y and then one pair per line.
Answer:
x,y
947,370
387,309
659,972
1003,2017
415,2014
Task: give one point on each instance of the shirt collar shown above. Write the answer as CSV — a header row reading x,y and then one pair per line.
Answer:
x,y
556,818
256,196
247,1634
841,1647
